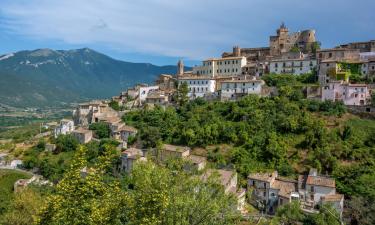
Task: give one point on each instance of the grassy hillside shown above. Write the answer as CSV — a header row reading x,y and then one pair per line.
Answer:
x,y
7,179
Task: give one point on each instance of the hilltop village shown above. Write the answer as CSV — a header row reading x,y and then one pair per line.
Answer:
x,y
343,75
228,78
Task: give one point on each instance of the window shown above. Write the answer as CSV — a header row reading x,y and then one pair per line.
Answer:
x,y
243,84
330,55
253,84
264,185
312,188
206,89
276,65
206,81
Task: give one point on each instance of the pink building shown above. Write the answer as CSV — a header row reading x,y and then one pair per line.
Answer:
x,y
350,94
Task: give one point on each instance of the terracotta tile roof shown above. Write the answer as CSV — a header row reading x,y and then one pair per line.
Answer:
x,y
133,152
332,198
175,148
82,131
267,177
321,181
224,176
285,187
128,128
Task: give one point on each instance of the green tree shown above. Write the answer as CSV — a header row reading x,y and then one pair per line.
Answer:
x,y
150,137
101,129
289,214
85,197
114,105
162,196
182,94
66,143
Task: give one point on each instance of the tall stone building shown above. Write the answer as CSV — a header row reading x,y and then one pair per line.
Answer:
x,y
180,68
283,42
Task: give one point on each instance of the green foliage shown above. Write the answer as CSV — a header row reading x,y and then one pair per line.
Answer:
x,y
279,80
66,143
292,214
85,198
161,196
101,129
23,208
182,94
114,105
150,137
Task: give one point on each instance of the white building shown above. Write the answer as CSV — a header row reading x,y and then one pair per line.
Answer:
x,y
230,66
144,90
349,94
237,87
293,66
199,86
65,127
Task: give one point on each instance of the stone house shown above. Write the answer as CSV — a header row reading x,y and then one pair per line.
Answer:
x,y
91,112
270,191
166,82
315,189
65,127
195,162
173,151
157,98
83,136
129,157
228,180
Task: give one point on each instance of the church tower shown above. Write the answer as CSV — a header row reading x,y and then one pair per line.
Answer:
x,y
180,68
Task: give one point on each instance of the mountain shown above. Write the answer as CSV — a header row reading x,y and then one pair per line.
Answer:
x,y
46,77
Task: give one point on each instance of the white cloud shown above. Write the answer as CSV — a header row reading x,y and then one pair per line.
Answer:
x,y
186,28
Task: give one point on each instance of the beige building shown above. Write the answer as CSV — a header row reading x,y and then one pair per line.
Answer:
x,y
173,151
195,162
129,157
364,46
87,113
83,136
228,180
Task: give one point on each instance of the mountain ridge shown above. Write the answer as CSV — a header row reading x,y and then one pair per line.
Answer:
x,y
46,77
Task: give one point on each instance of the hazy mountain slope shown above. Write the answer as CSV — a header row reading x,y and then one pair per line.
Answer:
x,y
46,77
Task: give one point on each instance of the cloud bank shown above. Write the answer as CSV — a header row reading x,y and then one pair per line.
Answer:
x,y
181,28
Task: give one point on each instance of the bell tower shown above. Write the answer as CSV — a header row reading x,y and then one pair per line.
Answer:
x,y
180,68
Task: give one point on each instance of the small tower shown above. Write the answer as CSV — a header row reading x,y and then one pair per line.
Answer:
x,y
236,51
180,68
282,30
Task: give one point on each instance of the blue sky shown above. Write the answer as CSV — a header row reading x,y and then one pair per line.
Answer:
x,y
162,31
